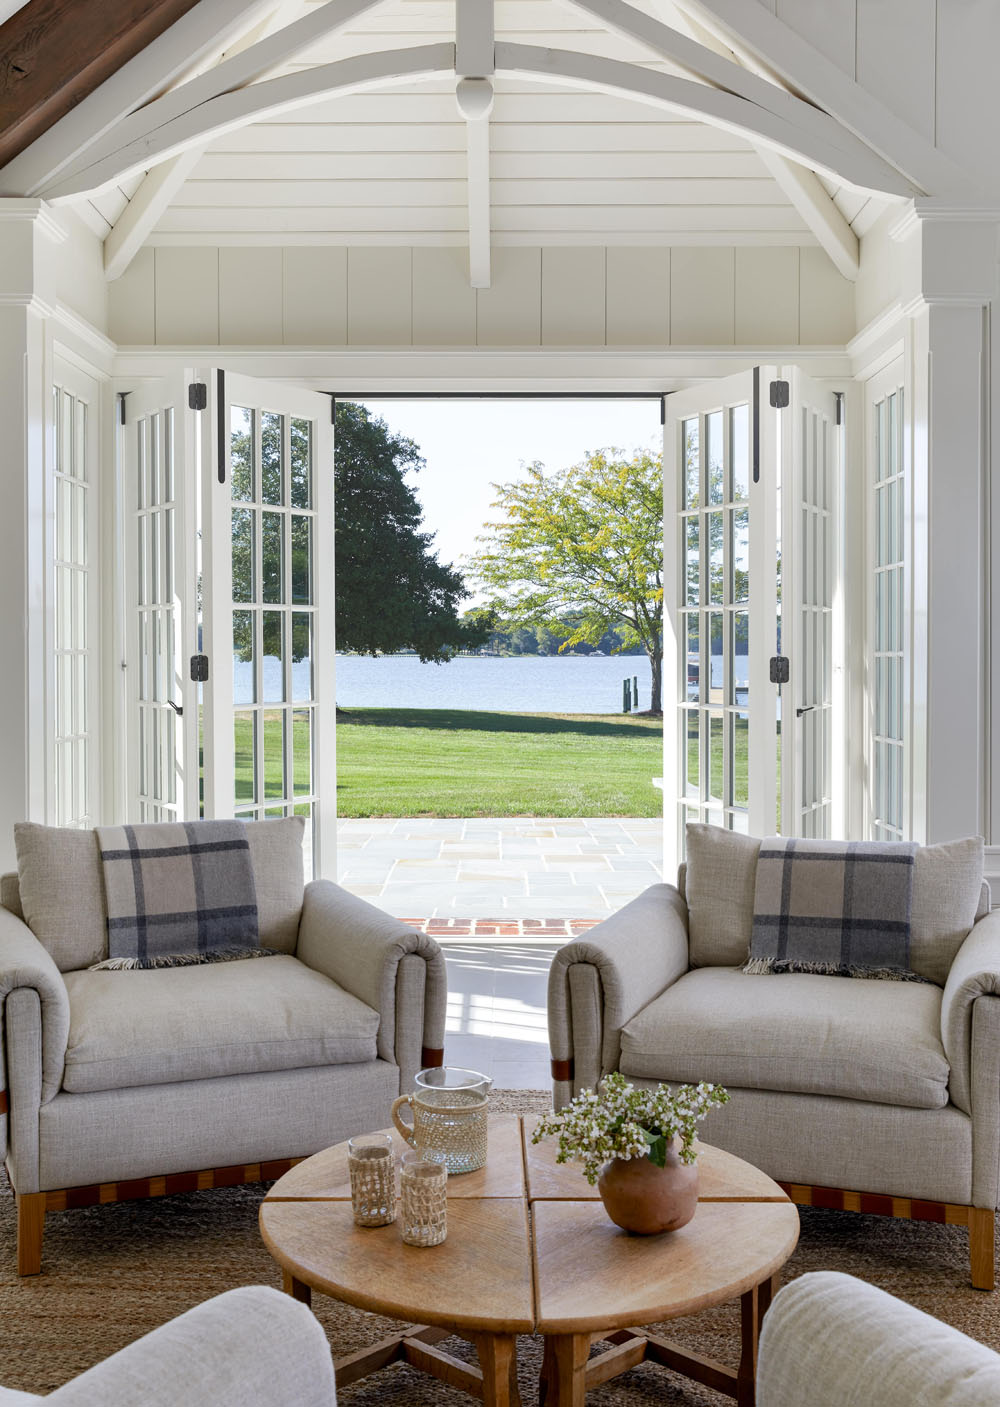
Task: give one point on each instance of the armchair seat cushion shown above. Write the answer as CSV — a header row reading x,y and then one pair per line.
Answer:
x,y
190,1023
794,1032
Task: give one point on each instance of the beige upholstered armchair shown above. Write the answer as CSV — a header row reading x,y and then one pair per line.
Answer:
x,y
830,1340
865,1095
122,1084
251,1347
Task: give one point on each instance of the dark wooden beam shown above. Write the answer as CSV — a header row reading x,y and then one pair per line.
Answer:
x,y
54,53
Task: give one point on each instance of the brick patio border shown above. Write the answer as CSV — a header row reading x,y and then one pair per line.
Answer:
x,y
503,927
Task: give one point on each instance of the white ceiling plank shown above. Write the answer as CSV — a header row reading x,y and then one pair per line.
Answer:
x,y
246,105
201,31
803,189
400,191
750,27
624,238
140,216
478,182
151,192
835,149
217,170
731,220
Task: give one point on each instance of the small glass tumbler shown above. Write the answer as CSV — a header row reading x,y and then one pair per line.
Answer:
x,y
423,1188
373,1179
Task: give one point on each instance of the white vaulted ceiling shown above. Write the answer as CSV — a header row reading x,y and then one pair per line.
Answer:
x,y
567,165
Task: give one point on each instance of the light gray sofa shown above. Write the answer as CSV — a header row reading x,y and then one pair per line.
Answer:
x,y
247,1348
127,1084
875,1096
830,1340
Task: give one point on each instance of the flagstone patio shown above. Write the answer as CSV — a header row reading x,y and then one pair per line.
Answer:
x,y
524,879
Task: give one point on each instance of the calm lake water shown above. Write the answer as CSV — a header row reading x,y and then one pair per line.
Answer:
x,y
514,684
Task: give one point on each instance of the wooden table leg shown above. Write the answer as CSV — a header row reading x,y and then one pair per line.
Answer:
x,y
566,1368
753,1306
296,1288
498,1361
547,1377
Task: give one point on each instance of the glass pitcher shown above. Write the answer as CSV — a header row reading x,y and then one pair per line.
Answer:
x,y
449,1117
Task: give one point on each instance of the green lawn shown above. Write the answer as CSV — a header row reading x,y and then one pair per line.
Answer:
x,y
452,762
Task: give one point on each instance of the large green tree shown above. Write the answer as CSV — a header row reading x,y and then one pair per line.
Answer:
x,y
584,542
392,592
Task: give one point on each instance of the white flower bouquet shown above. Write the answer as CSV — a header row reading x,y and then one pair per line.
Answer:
x,y
619,1121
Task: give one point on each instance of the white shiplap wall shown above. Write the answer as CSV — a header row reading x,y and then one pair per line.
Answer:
x,y
390,296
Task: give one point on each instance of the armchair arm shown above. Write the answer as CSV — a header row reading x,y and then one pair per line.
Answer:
x,y
24,964
834,1341
394,968
598,983
975,973
251,1347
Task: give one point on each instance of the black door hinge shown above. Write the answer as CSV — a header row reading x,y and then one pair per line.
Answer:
x,y
838,396
779,669
199,668
197,395
779,393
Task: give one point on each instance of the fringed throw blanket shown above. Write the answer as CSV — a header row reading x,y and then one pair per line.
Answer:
x,y
836,907
178,893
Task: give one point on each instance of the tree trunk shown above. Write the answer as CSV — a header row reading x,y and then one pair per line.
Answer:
x,y
656,670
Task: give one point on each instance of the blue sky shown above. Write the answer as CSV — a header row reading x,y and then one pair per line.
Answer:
x,y
469,444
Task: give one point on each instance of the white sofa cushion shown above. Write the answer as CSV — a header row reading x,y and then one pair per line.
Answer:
x,y
856,1039
61,888
190,1023
948,896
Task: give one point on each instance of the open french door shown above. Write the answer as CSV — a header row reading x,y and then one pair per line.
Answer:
x,y
240,672
751,485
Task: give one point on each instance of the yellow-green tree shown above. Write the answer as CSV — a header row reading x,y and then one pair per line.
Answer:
x,y
586,541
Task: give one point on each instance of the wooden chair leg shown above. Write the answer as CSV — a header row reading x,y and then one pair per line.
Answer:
x,y
30,1225
982,1232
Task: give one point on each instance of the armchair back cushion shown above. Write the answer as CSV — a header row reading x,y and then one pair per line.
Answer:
x,y
948,897
60,888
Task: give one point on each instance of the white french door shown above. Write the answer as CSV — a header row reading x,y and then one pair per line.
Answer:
x,y
750,511
243,661
159,471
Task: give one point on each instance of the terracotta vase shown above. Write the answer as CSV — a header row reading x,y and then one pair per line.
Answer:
x,y
638,1196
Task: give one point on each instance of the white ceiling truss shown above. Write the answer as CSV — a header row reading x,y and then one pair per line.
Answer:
x,y
728,65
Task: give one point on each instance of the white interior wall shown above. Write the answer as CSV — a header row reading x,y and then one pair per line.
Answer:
x,y
401,297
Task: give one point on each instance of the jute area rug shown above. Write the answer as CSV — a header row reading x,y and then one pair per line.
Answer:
x,y
113,1273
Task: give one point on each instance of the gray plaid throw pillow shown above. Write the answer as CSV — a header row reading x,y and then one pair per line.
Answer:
x,y
178,893
835,907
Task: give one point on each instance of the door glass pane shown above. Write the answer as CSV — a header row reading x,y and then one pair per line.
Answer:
x,y
302,680
713,457
301,463
241,451
716,557
274,754
272,563
690,441
301,559
244,674
271,430
715,757
244,728
740,725
243,535
741,658
302,751
692,779
692,570
693,687
273,658
741,554
740,438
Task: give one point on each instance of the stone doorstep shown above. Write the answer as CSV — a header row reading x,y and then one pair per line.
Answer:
x,y
503,927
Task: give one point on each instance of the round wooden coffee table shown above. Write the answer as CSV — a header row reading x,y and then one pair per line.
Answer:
x,y
530,1249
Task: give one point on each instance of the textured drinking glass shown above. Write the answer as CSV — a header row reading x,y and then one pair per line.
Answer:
x,y
373,1179
424,1211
